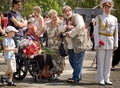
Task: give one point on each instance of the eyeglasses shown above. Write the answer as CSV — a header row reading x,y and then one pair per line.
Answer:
x,y
107,7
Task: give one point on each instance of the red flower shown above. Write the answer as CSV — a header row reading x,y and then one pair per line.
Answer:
x,y
101,42
31,50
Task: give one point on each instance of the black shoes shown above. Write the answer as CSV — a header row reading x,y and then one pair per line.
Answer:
x,y
112,69
11,84
3,80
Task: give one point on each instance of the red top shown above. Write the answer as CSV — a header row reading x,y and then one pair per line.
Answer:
x,y
31,33
5,20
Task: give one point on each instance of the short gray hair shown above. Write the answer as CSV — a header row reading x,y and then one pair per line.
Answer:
x,y
65,7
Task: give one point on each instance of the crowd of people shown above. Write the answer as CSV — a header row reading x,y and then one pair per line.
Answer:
x,y
46,31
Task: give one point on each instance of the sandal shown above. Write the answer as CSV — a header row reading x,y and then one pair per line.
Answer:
x,y
72,81
69,79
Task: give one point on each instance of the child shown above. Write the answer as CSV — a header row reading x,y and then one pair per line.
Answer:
x,y
9,55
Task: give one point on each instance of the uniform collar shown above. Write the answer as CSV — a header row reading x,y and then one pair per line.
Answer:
x,y
106,15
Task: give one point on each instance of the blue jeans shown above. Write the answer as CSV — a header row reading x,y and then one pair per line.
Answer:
x,y
76,62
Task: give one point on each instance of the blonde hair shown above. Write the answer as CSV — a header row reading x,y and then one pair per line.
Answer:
x,y
52,11
37,10
65,7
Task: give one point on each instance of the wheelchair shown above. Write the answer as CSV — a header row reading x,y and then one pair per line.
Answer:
x,y
34,66
21,66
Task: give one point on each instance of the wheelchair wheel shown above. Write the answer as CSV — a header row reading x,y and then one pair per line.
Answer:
x,y
31,70
22,66
35,77
33,67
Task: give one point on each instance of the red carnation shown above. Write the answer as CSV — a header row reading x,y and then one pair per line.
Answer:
x,y
31,50
101,42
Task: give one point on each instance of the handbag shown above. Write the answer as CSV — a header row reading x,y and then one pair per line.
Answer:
x,y
61,49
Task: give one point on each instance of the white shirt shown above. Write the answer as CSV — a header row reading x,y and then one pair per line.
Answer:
x,y
9,43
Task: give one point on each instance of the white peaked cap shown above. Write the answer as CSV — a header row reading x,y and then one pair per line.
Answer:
x,y
106,1
10,28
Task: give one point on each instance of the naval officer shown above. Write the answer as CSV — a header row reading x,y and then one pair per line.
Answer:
x,y
106,40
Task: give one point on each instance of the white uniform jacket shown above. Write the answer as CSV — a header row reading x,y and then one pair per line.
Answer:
x,y
106,29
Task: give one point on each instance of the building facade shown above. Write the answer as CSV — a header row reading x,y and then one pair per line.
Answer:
x,y
87,13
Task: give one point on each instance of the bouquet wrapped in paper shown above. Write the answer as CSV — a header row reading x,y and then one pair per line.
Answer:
x,y
29,47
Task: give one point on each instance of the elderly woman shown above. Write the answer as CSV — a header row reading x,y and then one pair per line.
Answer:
x,y
38,20
54,40
31,31
44,60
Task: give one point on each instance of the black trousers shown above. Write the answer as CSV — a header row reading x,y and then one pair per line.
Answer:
x,y
116,57
44,61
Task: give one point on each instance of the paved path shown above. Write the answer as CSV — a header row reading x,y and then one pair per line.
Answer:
x,y
88,80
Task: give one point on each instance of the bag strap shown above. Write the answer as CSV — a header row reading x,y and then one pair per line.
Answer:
x,y
73,20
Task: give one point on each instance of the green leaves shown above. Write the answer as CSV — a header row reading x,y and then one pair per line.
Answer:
x,y
48,50
46,5
1,39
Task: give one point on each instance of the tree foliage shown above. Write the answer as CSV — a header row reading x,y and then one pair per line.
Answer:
x,y
117,9
5,5
46,5
82,3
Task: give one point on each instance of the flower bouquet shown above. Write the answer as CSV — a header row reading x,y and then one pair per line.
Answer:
x,y
101,42
30,48
1,40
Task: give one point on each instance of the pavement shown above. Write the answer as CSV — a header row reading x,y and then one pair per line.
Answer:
x,y
88,77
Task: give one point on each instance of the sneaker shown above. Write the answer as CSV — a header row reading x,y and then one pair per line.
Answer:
x,y
11,84
102,83
3,80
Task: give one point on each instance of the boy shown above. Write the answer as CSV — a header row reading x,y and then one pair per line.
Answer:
x,y
9,55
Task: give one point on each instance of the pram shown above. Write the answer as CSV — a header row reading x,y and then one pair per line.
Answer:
x,y
35,64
